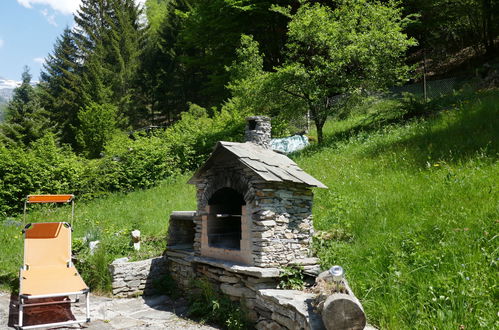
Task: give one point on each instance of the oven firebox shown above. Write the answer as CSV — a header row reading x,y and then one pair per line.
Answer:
x,y
224,220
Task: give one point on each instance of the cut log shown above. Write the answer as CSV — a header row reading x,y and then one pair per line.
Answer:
x,y
343,311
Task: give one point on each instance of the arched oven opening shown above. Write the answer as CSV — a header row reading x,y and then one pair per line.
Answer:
x,y
224,220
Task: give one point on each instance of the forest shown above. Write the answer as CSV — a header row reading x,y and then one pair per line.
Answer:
x,y
126,76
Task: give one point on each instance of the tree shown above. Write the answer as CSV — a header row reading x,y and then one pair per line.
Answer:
x,y
97,124
60,86
211,33
25,119
164,83
108,35
332,53
445,26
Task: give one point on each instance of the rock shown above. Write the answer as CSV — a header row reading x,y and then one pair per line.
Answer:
x,y
268,325
228,279
93,246
120,260
234,291
283,320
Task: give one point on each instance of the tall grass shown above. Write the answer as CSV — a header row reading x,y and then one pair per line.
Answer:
x,y
416,206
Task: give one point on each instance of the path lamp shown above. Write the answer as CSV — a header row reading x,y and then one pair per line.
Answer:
x,y
338,274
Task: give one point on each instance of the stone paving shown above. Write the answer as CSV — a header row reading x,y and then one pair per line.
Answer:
x,y
157,312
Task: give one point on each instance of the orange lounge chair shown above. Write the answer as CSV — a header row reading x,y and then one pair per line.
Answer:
x,y
47,270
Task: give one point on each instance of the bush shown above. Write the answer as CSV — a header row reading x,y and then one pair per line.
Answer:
x,y
126,164
97,124
43,168
214,307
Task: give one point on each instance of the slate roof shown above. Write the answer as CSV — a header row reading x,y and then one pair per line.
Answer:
x,y
267,164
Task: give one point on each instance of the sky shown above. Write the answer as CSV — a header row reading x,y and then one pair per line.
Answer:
x,y
28,31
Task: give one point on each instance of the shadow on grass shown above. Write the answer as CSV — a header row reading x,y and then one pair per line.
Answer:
x,y
474,130
10,281
471,132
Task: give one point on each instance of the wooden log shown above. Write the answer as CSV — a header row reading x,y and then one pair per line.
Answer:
x,y
339,307
343,311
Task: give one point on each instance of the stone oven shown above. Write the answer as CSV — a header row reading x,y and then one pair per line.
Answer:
x,y
254,205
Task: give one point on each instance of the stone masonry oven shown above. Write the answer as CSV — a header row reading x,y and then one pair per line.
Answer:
x,y
254,204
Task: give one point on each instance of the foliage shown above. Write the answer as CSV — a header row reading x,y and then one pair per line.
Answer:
x,y
94,268
291,278
445,26
108,36
192,138
126,163
211,306
331,55
60,86
97,124
44,168
25,119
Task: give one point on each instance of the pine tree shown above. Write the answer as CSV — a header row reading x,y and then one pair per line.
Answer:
x,y
60,86
25,119
108,36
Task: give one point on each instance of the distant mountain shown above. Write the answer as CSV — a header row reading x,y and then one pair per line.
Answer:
x,y
7,88
3,104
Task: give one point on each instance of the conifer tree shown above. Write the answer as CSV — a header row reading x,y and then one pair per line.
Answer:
x,y
60,86
108,36
25,119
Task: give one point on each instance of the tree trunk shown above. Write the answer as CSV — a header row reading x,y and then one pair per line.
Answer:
x,y
488,35
319,125
320,137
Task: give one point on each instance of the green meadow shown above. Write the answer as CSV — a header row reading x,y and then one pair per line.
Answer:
x,y
411,213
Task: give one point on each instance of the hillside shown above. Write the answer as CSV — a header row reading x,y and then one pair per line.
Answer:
x,y
410,213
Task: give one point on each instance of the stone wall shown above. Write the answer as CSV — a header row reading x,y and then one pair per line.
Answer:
x,y
254,288
286,309
282,224
131,279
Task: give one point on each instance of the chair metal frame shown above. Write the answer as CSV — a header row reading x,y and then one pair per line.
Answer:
x,y
24,298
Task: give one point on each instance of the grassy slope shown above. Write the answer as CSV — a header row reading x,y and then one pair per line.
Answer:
x,y
411,213
110,220
421,203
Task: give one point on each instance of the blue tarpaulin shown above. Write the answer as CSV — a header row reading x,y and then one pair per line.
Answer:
x,y
289,144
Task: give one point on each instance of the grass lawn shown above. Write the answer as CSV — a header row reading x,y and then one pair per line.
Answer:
x,y
411,213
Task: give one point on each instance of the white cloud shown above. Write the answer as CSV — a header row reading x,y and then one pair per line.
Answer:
x,y
50,17
63,6
39,60
1,43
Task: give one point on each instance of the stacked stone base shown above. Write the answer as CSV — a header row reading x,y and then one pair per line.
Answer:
x,y
130,279
255,288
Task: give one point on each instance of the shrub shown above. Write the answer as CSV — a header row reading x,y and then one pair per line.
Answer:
x,y
291,278
43,168
127,164
214,307
97,125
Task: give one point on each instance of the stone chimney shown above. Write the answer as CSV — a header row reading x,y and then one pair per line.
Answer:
x,y
258,130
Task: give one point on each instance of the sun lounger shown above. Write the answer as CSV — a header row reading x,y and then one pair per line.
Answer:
x,y
47,270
